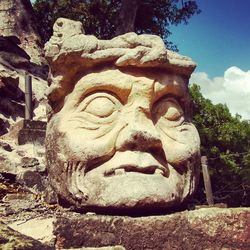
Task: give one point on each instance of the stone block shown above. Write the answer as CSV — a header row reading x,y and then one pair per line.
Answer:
x,y
30,124
31,179
206,228
10,239
38,228
32,132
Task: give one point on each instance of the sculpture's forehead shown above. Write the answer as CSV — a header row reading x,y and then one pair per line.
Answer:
x,y
123,82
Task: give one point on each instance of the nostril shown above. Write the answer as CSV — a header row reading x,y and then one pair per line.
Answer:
x,y
159,154
135,137
138,139
132,146
153,151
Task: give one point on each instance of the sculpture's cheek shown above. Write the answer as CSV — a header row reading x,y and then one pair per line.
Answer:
x,y
87,139
179,143
82,147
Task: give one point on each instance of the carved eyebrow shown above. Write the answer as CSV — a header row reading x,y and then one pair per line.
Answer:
x,y
118,91
172,98
176,92
172,89
103,93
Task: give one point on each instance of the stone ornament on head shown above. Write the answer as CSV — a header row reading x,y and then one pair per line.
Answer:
x,y
119,135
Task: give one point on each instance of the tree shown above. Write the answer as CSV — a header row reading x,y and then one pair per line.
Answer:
x,y
127,16
225,140
107,18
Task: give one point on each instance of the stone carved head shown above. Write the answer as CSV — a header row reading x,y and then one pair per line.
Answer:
x,y
119,134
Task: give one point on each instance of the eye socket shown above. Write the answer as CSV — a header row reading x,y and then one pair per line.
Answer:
x,y
169,109
100,104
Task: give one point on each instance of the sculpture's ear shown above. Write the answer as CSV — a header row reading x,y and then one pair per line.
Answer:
x,y
188,108
188,103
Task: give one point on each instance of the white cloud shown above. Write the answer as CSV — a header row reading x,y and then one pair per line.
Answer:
x,y
233,89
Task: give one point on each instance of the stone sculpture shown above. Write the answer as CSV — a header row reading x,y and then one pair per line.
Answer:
x,y
119,134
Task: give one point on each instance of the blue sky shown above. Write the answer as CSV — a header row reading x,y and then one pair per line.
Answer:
x,y
218,40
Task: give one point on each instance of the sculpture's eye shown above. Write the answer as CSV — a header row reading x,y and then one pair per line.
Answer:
x,y
169,109
100,104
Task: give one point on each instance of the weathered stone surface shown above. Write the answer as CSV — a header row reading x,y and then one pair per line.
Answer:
x,y
11,97
32,132
10,44
50,196
26,164
16,19
14,57
11,240
9,85
99,248
122,138
19,197
30,136
8,162
40,229
31,179
18,204
30,124
211,228
3,126
15,204
5,146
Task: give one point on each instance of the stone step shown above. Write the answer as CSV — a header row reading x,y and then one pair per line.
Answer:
x,y
205,228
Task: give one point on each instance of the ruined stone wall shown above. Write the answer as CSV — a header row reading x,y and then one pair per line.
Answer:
x,y
17,19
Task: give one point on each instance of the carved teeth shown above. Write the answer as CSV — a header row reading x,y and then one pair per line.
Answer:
x,y
120,171
159,171
109,173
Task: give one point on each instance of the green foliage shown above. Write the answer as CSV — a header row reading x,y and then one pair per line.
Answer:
x,y
99,17
225,140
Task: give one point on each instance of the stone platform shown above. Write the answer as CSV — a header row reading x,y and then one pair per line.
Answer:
x,y
205,228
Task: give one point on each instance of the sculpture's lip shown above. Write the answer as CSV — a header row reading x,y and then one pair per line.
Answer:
x,y
128,168
128,161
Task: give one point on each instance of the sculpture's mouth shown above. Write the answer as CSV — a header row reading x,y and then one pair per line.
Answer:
x,y
130,162
123,169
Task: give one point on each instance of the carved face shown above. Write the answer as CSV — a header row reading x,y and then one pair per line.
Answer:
x,y
122,140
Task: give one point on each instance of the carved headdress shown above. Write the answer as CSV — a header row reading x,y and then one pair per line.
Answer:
x,y
71,53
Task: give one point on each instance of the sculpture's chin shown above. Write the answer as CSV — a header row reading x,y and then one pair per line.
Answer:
x,y
134,190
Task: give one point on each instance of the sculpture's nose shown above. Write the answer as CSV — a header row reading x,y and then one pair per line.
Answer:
x,y
139,134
